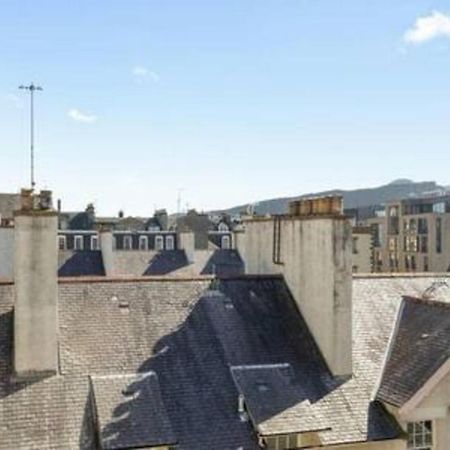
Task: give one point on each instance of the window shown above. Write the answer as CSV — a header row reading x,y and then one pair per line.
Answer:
x,y
393,211
170,244
127,242
223,227
411,243
94,242
355,245
420,435
62,244
287,441
422,226
376,233
225,242
424,244
159,243
355,269
438,235
78,243
392,244
378,262
439,208
425,263
393,262
414,243
143,243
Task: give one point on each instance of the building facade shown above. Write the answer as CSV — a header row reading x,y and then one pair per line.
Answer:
x,y
412,235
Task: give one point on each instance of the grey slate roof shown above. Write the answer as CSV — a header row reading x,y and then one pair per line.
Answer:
x,y
190,336
224,263
80,263
420,345
275,400
166,262
130,412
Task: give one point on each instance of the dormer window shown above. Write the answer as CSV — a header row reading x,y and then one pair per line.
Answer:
x,y
94,242
62,243
78,243
223,227
225,242
127,242
170,243
143,243
282,442
159,243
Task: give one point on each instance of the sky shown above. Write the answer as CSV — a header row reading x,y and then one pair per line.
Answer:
x,y
222,102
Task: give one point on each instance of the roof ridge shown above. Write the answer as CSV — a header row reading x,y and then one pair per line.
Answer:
x,y
131,279
426,301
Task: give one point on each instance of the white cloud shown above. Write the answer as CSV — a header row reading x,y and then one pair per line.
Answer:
x,y
79,116
141,73
428,27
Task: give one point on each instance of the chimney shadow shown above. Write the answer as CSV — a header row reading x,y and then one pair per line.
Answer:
x,y
81,263
9,382
224,263
165,262
380,421
193,366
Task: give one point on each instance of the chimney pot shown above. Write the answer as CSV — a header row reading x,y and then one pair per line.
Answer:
x,y
317,206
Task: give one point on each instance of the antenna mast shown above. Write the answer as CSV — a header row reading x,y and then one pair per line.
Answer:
x,y
32,87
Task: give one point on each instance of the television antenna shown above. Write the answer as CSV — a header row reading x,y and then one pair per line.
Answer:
x,y
32,88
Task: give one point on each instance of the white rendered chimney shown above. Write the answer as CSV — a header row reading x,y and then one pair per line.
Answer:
x,y
311,247
35,287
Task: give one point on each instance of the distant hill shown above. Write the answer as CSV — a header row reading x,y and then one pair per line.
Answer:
x,y
358,198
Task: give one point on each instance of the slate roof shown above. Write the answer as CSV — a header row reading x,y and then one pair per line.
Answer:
x,y
276,400
191,336
80,263
419,347
224,263
130,412
166,262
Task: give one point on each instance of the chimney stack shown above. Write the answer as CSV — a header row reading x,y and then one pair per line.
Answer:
x,y
311,247
35,286
107,248
186,242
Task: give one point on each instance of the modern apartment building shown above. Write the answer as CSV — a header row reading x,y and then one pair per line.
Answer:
x,y
412,235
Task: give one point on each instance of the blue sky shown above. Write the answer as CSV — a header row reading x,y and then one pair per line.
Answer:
x,y
230,100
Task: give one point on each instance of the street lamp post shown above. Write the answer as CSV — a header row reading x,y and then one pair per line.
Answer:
x,y
32,87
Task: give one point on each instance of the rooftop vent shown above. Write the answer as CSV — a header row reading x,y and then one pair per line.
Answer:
x,y
227,303
262,386
124,306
